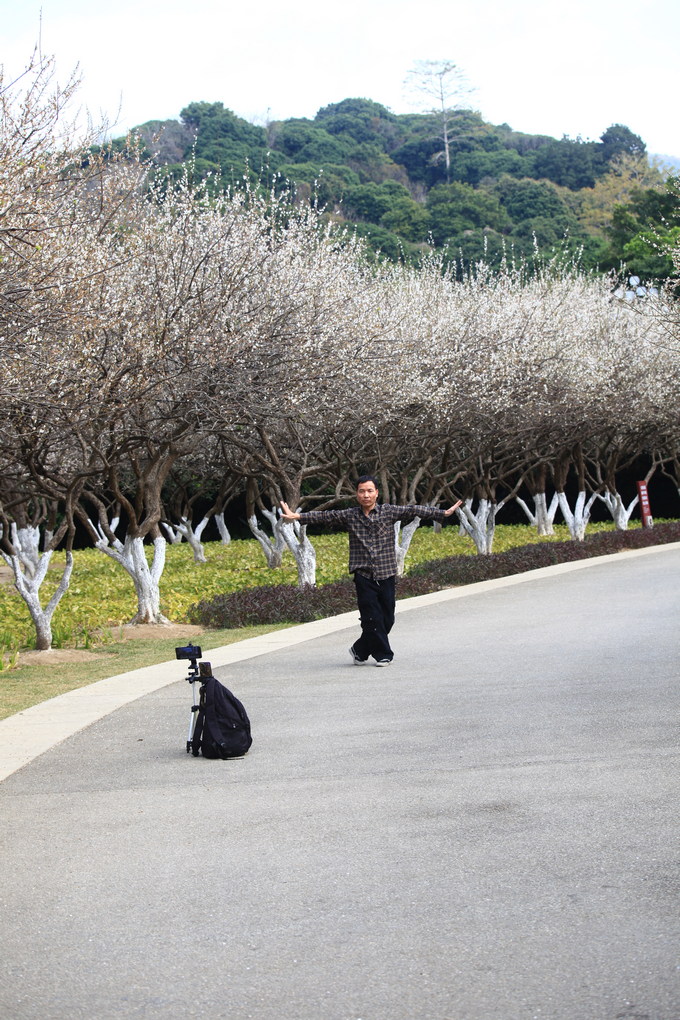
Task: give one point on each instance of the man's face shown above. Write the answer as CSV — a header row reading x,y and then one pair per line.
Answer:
x,y
367,496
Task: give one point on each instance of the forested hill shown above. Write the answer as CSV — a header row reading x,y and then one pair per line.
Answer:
x,y
407,182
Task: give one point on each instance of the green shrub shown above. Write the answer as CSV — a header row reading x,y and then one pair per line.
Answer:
x,y
288,603
273,603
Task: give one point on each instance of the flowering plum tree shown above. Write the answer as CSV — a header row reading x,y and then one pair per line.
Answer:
x,y
306,379
55,198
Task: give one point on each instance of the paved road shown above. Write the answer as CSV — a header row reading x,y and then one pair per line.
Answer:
x,y
486,830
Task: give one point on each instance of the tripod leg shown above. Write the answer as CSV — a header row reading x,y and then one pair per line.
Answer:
x,y
194,710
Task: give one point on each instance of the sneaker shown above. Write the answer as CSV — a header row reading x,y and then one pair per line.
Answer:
x,y
383,662
357,661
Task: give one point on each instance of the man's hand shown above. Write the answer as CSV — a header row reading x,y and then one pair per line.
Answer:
x,y
287,514
451,509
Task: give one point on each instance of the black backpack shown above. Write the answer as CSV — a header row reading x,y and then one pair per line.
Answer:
x,y
222,724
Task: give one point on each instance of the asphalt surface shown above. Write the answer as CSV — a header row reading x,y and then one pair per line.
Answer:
x,y
485,830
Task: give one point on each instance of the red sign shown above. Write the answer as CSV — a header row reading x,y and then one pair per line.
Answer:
x,y
645,508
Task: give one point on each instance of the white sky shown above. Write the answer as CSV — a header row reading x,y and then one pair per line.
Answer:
x,y
542,67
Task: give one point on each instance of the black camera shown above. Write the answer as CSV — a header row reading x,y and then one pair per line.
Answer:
x,y
188,652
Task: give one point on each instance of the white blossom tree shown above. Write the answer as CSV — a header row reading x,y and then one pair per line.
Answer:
x,y
55,200
325,313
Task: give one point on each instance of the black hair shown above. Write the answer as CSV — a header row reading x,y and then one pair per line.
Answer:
x,y
362,479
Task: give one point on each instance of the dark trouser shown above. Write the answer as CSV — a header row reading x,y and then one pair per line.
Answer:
x,y
376,602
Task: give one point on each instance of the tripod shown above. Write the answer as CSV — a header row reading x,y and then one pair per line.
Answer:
x,y
198,672
193,679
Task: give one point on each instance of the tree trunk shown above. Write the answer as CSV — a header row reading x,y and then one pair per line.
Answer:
x,y
447,149
402,542
577,520
29,589
272,547
186,530
225,537
147,581
26,541
146,578
621,513
543,516
480,526
175,537
295,537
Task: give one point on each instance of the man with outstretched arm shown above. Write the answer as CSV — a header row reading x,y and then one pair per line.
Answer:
x,y
372,560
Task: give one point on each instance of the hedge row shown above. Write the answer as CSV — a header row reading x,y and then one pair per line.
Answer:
x,y
456,570
287,603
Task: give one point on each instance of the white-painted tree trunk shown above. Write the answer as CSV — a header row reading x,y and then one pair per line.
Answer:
x,y
225,537
543,516
295,537
402,542
28,587
480,526
146,577
26,542
578,518
175,537
621,513
272,545
186,530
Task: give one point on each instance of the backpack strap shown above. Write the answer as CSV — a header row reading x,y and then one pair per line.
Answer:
x,y
209,712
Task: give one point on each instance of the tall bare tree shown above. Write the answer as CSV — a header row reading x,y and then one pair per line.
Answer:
x,y
444,85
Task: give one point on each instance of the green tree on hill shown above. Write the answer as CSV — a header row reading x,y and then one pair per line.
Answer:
x,y
571,164
225,140
455,208
643,230
360,119
619,139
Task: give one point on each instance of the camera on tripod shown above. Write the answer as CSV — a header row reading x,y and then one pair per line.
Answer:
x,y
193,653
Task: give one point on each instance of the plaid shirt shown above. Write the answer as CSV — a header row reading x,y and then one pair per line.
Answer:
x,y
372,549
